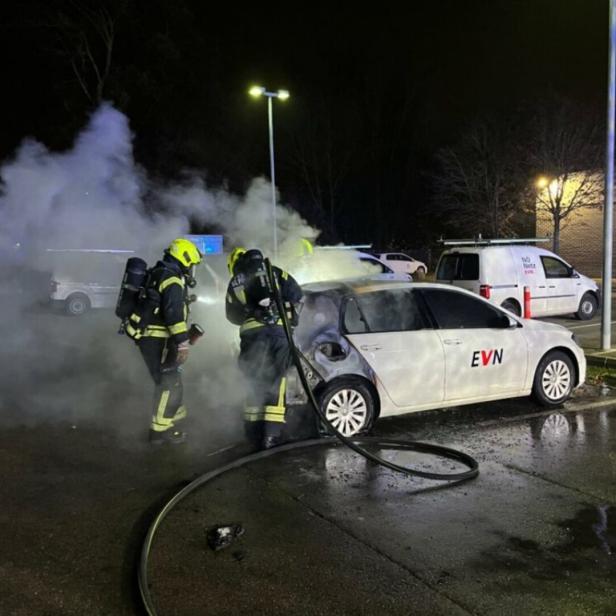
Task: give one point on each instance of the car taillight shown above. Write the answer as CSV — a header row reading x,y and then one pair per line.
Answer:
x,y
484,290
53,286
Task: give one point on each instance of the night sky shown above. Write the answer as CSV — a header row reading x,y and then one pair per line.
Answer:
x,y
374,92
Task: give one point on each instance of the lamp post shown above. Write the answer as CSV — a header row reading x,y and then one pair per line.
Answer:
x,y
283,95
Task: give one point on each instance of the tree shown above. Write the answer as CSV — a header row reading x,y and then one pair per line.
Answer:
x,y
479,185
565,149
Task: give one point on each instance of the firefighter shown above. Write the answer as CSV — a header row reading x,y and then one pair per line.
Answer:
x,y
264,350
159,327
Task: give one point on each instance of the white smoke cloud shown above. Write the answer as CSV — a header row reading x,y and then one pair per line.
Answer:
x,y
96,196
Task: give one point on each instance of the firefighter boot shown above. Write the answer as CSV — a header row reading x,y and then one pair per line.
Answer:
x,y
171,437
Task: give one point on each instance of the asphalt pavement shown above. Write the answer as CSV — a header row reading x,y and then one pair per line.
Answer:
x,y
325,531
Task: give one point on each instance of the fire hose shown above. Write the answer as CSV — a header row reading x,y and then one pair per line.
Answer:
x,y
353,443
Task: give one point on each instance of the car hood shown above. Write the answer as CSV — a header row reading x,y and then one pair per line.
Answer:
x,y
545,326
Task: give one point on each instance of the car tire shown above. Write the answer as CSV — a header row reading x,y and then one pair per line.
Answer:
x,y
76,304
554,379
588,307
512,306
349,405
420,273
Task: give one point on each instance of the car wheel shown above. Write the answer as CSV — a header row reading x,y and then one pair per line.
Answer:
x,y
512,306
420,273
588,307
349,406
76,304
554,379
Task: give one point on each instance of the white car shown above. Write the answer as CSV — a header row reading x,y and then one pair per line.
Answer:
x,y
403,264
373,349
377,269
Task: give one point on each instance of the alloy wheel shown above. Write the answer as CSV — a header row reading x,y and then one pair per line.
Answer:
x,y
347,411
556,379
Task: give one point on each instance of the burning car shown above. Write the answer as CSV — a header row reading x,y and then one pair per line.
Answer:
x,y
372,349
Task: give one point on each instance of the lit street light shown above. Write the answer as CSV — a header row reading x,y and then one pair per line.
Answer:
x,y
282,95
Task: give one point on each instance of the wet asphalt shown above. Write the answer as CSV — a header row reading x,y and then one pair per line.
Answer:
x,y
325,531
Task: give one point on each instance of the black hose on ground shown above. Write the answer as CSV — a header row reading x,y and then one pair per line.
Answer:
x,y
353,443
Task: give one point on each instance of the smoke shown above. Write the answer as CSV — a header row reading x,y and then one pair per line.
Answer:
x,y
95,196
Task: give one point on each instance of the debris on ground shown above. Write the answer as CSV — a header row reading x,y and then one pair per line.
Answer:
x,y
223,535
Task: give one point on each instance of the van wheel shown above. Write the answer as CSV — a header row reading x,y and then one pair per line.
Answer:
x,y
512,306
76,304
554,379
588,307
349,405
420,273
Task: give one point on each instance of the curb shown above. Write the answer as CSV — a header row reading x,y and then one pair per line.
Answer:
x,y
603,361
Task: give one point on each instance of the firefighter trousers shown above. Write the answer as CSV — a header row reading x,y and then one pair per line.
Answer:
x,y
160,356
264,360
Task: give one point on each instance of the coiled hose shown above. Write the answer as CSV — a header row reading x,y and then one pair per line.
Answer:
x,y
353,443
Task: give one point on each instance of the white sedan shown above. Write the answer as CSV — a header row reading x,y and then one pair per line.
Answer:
x,y
373,349
403,264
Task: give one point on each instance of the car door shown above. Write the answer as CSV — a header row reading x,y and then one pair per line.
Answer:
x,y
484,355
562,286
391,332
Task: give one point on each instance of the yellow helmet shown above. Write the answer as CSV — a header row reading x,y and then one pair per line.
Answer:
x,y
185,252
234,255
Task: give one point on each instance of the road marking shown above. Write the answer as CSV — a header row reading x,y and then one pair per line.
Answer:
x,y
587,325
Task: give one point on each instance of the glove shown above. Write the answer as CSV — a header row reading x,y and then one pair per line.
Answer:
x,y
183,351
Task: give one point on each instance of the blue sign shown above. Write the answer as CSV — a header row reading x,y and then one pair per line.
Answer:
x,y
207,244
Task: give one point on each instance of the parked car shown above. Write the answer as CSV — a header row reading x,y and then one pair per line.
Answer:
x,y
376,348
403,264
83,279
383,271
499,270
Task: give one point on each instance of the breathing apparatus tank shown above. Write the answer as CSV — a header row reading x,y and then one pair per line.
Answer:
x,y
133,285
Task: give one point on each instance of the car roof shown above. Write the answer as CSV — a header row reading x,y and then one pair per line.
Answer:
x,y
368,285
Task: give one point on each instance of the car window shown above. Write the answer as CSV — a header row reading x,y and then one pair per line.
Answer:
x,y
458,267
454,310
373,266
555,268
404,258
383,311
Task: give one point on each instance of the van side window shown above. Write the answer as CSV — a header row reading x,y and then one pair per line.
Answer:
x,y
555,268
453,310
458,267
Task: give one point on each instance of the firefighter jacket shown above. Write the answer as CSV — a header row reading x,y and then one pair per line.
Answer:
x,y
163,313
250,312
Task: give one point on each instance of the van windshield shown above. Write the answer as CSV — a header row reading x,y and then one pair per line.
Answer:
x,y
458,267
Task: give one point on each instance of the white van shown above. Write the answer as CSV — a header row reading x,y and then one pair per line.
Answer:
x,y
500,269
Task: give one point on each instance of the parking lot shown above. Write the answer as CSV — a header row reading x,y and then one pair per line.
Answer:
x,y
325,531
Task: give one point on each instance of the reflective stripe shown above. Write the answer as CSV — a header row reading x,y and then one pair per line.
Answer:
x,y
155,333
254,413
252,323
180,413
240,293
167,283
160,423
285,275
135,317
281,391
178,328
275,414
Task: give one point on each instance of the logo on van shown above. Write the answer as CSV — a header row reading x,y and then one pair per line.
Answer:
x,y
485,358
528,265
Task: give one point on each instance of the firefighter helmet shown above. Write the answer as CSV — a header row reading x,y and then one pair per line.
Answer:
x,y
234,255
185,252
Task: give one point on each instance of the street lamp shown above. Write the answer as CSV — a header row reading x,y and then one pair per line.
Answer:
x,y
283,95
